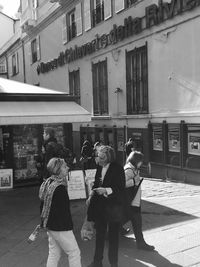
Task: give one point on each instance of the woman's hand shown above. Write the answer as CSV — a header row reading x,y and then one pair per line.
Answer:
x,y
100,191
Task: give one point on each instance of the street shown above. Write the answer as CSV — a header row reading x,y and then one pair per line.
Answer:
x,y
171,222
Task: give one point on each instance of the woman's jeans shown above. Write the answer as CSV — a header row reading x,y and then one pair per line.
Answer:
x,y
63,240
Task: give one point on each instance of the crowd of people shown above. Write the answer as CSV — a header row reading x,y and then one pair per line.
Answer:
x,y
115,198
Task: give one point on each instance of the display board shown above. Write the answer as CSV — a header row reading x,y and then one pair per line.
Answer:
x,y
194,143
76,185
6,178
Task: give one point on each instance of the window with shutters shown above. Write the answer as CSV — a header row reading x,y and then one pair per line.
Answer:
x,y
131,2
98,12
100,88
74,84
72,24
137,81
15,64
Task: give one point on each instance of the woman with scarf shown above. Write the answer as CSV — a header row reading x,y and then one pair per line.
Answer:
x,y
56,216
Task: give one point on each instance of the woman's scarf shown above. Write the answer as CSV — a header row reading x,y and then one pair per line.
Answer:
x,y
46,192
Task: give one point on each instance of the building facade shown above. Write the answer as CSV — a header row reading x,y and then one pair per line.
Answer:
x,y
133,64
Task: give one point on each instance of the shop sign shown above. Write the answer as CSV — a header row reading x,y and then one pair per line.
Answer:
x,y
194,143
154,15
6,178
76,185
157,141
174,142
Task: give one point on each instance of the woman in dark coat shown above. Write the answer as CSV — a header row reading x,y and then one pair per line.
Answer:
x,y
105,205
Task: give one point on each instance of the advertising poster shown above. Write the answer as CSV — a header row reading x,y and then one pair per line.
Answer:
x,y
76,185
174,142
157,141
194,143
6,178
120,140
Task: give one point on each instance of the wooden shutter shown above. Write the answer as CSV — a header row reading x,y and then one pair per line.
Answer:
x,y
119,5
87,15
78,19
107,9
38,47
64,29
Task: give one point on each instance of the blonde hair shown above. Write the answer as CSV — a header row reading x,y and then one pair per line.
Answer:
x,y
109,152
54,166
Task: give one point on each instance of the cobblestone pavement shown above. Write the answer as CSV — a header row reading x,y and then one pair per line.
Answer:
x,y
171,222
154,188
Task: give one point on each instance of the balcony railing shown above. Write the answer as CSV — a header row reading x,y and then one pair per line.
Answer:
x,y
28,17
98,14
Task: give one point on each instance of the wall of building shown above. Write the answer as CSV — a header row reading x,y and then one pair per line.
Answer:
x,y
6,29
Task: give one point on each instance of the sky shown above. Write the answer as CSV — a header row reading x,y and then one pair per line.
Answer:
x,y
10,7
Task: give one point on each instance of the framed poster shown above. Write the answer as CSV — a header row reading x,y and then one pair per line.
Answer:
x,y
76,185
174,141
194,143
157,141
6,178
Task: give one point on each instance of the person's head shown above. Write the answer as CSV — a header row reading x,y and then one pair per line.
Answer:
x,y
135,158
58,167
49,133
97,145
105,155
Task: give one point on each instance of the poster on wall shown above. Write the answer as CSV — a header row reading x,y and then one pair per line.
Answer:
x,y
157,141
194,143
174,141
120,140
76,185
6,178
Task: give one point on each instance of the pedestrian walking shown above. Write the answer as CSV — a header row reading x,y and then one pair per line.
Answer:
x,y
56,215
87,156
133,182
129,146
106,205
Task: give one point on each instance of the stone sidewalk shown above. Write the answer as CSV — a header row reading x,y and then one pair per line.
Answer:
x,y
171,222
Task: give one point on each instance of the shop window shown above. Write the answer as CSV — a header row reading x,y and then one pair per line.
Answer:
x,y
193,155
74,84
5,148
173,155
100,88
15,64
35,50
157,143
25,150
137,81
72,24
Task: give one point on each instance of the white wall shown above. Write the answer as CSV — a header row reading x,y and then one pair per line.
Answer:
x,y
6,28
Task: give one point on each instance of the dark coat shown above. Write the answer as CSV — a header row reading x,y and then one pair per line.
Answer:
x,y
102,207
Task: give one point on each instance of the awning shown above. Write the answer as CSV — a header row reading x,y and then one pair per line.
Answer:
x,y
39,112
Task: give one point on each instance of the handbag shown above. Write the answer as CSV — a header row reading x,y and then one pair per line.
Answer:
x,y
87,230
130,192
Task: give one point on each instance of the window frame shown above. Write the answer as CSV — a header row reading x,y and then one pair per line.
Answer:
x,y
15,64
100,88
74,84
137,80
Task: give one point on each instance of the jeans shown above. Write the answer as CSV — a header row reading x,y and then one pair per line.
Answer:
x,y
63,240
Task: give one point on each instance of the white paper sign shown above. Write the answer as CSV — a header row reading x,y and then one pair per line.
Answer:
x,y
76,185
6,178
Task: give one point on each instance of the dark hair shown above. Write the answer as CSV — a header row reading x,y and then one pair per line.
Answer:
x,y
50,131
135,157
